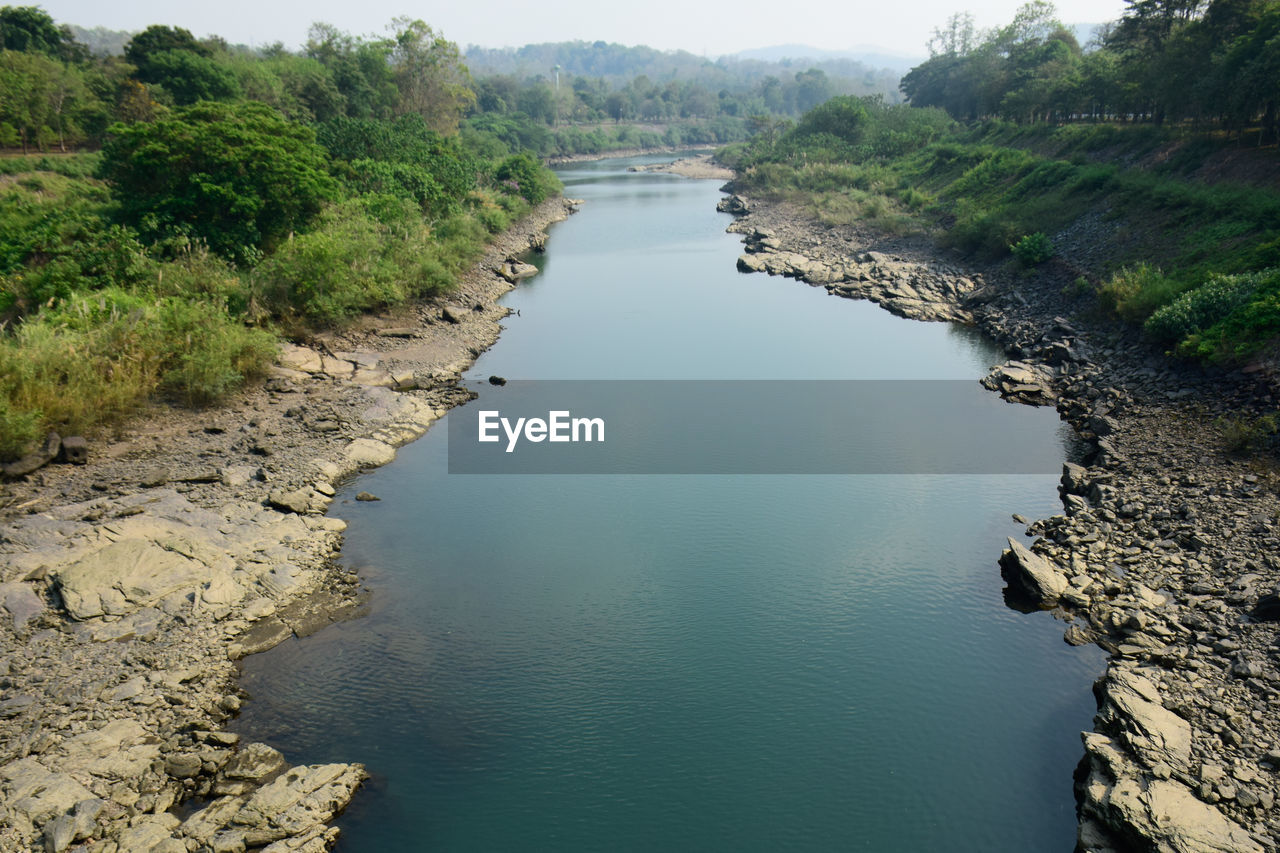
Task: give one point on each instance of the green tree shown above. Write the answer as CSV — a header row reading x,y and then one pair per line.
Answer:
x,y
160,39
360,70
237,177
29,29
428,70
190,77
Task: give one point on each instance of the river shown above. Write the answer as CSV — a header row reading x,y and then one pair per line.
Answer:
x,y
681,662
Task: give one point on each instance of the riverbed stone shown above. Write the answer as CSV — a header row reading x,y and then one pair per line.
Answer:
x,y
1032,575
369,453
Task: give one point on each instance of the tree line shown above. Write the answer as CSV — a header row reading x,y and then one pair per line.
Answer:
x,y
1207,62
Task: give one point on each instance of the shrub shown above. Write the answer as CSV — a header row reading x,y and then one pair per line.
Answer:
x,y
1198,309
531,180
205,353
1134,292
1033,249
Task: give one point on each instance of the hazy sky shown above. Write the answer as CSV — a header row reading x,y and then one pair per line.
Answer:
x,y
710,27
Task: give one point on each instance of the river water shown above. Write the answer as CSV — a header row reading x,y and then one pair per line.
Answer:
x,y
678,662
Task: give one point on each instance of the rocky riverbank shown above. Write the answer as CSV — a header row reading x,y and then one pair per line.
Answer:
x,y
131,584
1165,552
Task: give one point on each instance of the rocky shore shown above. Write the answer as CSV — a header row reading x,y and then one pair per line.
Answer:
x,y
1166,551
130,585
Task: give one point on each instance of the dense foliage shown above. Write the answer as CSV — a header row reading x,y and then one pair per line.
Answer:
x,y
237,195
1205,61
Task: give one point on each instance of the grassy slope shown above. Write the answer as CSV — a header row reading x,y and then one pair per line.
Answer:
x,y
1158,232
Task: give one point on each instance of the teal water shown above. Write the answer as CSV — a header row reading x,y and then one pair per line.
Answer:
x,y
747,663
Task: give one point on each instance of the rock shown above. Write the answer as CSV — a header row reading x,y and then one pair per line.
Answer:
x,y
1267,609
183,765
497,380
267,633
369,453
734,204
1131,711
297,801
75,450
20,602
37,793
1075,479
452,313
59,833
1020,382
1032,575
404,380
154,477
397,332
36,459
514,271
123,576
365,496
237,475
297,500
301,359
254,765
1156,814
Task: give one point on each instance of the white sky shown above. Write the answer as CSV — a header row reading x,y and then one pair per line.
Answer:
x,y
710,27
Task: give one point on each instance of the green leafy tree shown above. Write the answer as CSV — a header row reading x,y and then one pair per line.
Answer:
x,y
428,70
191,77
360,70
29,29
237,177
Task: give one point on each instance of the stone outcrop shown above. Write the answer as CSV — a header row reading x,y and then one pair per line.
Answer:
x,y
1032,575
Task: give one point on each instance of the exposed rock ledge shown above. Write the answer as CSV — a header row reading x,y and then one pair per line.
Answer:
x,y
1166,549
130,585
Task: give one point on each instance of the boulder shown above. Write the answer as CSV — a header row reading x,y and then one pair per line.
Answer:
x,y
75,450
36,459
1032,575
124,576
1021,383
298,801
514,271
249,768
301,359
1075,479
369,453
1131,711
20,602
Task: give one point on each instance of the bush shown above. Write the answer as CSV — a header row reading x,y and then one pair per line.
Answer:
x,y
1197,310
1134,292
203,352
523,174
1033,249
18,430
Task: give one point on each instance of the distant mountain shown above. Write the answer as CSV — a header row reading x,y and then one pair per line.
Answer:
x,y
619,64
865,54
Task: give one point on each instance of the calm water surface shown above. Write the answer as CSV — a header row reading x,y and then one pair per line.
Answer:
x,y
751,663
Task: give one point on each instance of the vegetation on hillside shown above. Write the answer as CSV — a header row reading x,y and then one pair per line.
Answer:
x,y
236,195
1196,263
